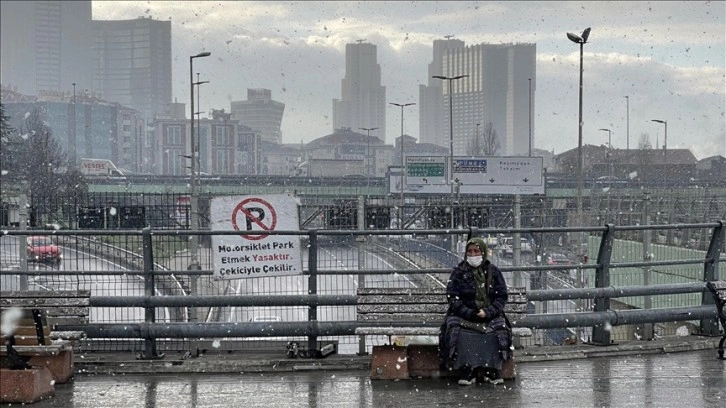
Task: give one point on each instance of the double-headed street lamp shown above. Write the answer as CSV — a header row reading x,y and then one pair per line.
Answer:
x,y
403,163
451,130
610,144
368,154
449,179
193,180
579,40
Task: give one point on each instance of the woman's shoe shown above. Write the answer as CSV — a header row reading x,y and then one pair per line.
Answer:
x,y
494,377
467,377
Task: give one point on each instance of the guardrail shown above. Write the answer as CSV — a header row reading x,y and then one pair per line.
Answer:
x,y
601,318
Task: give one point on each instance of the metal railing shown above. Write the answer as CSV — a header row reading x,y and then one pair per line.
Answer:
x,y
150,296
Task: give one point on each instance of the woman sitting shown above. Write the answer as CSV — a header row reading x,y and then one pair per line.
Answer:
x,y
475,337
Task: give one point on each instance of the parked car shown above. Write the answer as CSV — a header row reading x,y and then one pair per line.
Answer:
x,y
41,248
557,259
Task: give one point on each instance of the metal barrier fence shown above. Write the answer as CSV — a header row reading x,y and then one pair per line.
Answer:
x,y
145,298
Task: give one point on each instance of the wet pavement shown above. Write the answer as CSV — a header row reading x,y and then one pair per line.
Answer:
x,y
682,373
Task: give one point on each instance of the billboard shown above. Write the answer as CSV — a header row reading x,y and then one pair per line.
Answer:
x,y
99,167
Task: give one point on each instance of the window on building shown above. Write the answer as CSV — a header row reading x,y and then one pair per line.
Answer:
x,y
173,136
174,164
220,161
222,136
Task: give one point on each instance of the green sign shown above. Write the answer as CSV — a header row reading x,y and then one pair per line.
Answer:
x,y
425,169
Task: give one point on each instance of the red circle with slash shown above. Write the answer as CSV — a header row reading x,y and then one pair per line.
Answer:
x,y
254,219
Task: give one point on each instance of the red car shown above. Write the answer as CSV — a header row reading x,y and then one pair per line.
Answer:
x,y
42,249
557,259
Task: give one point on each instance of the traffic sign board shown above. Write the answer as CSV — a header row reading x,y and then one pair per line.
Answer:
x,y
471,175
425,170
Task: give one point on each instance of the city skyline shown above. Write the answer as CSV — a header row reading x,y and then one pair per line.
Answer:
x,y
667,57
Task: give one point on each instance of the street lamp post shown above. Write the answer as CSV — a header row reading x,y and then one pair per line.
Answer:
x,y
579,40
403,163
451,145
199,128
665,145
627,124
530,117
580,250
478,146
194,264
610,152
73,145
368,155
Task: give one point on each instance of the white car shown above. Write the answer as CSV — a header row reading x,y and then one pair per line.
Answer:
x,y
492,241
507,250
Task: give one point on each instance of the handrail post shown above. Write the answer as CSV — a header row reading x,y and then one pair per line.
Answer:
x,y
709,327
360,243
313,284
648,333
149,352
600,333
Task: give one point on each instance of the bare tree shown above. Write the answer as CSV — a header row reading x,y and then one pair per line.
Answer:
x,y
491,140
487,143
644,148
43,165
644,142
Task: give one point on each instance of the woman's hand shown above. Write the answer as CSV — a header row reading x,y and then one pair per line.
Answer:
x,y
482,314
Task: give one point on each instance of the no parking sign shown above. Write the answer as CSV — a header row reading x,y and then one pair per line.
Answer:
x,y
250,255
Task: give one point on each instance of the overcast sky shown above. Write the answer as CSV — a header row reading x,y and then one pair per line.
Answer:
x,y
668,57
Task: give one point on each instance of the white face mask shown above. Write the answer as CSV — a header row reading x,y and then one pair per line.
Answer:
x,y
475,260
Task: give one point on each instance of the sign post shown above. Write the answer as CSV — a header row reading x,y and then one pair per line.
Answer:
x,y
249,254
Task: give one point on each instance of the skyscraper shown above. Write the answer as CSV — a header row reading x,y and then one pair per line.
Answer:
x,y
363,100
133,63
260,113
45,45
496,91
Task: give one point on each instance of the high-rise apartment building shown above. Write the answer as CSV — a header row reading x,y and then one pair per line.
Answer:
x,y
431,102
260,113
496,91
132,63
363,99
45,45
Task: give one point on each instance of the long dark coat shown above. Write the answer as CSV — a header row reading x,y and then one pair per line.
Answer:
x,y
461,293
